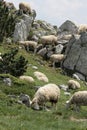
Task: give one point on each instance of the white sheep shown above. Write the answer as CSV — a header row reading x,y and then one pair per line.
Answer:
x,y
27,78
50,39
47,93
41,76
57,58
1,59
67,37
25,7
73,84
78,99
82,28
29,44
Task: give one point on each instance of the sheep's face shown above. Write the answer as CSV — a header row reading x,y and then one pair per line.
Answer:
x,y
34,105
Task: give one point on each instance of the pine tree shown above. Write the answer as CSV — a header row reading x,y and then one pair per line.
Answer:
x,y
13,65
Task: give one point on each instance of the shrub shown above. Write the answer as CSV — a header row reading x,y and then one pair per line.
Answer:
x,y
12,64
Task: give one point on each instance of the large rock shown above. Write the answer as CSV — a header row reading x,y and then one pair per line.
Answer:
x,y
76,60
68,26
22,28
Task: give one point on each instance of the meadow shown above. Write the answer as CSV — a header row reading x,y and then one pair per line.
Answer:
x,y
14,116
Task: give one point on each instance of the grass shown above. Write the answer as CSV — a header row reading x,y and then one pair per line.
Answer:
x,y
14,116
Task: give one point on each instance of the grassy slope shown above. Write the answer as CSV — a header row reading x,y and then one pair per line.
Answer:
x,y
14,116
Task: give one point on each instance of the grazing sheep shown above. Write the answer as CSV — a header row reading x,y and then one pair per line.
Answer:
x,y
50,39
25,8
72,84
79,98
57,58
40,76
27,78
29,44
82,28
47,93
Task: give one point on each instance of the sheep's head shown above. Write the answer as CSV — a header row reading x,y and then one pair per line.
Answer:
x,y
34,104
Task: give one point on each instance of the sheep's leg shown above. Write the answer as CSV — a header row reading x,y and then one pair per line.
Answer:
x,y
54,64
45,108
61,64
35,50
76,108
27,48
54,105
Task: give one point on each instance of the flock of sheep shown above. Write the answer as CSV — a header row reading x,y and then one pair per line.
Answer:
x,y
46,40
51,92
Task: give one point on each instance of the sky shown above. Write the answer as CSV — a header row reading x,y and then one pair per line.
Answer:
x,y
57,12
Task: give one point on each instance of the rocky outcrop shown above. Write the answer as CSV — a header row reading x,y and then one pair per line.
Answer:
x,y
68,26
41,28
76,60
14,24
22,28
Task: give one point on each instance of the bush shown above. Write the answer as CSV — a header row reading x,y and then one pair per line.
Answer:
x,y
12,64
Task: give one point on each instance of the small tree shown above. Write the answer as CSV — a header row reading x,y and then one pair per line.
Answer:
x,y
13,65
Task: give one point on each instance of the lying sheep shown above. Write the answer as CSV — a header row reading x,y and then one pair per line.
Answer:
x,y
82,28
25,8
50,39
73,84
67,37
29,44
40,76
47,93
1,59
27,78
57,58
79,98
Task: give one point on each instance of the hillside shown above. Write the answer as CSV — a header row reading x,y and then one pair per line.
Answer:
x,y
15,115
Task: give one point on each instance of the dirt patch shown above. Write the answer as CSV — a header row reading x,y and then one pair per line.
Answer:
x,y
77,120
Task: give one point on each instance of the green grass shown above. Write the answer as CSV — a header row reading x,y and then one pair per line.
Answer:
x,y
14,116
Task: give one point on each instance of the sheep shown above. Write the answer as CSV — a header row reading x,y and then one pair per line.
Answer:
x,y
25,7
27,78
78,98
28,44
57,58
1,59
48,93
67,37
73,84
41,76
50,39
82,28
